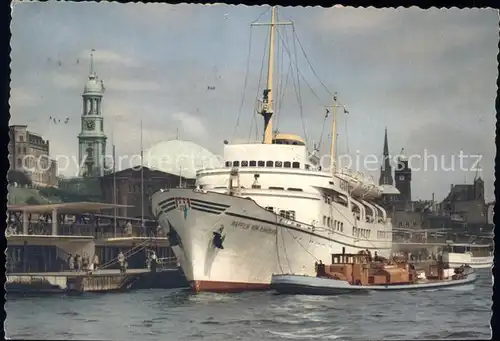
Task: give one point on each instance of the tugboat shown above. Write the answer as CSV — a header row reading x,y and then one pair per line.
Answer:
x,y
357,273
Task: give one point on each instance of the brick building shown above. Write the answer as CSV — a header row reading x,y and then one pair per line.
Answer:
x,y
29,154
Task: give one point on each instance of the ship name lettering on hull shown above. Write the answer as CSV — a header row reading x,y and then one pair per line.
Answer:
x,y
254,227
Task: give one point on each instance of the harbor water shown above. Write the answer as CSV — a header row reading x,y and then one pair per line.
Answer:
x,y
180,315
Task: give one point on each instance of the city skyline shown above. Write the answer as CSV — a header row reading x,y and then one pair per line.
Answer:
x,y
426,75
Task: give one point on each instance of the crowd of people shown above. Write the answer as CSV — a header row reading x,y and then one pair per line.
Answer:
x,y
79,263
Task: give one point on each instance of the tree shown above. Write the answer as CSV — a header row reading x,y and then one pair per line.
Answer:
x,y
32,201
14,176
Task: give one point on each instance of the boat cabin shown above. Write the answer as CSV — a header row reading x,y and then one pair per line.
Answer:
x,y
358,269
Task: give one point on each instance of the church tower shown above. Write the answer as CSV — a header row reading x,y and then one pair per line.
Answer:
x,y
386,169
92,140
403,178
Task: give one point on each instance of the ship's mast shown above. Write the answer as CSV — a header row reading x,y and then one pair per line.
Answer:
x,y
334,135
267,100
333,156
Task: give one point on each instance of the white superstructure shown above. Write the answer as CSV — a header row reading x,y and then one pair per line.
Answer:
x,y
270,209
474,255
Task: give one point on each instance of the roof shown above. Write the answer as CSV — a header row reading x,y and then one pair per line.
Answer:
x,y
70,207
389,190
181,158
289,137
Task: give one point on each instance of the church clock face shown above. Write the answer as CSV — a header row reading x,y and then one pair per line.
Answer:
x,y
89,125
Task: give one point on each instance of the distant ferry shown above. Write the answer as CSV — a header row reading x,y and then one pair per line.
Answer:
x,y
270,209
477,256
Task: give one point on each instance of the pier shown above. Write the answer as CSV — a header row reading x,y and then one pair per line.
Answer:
x,y
98,281
43,238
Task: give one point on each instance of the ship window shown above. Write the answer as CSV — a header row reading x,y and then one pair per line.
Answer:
x,y
253,163
236,164
228,163
269,164
296,165
295,189
261,163
287,164
288,214
278,188
354,231
328,222
270,208
278,164
308,167
244,163
341,227
324,220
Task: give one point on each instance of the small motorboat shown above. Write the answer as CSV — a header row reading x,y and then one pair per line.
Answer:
x,y
356,273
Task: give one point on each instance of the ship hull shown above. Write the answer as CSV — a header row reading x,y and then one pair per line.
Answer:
x,y
256,242
306,285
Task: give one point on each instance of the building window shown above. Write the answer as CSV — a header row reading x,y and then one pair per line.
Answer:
x,y
253,163
21,138
287,164
261,163
24,150
296,165
19,163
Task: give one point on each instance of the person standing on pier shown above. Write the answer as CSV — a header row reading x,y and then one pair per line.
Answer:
x,y
95,261
71,262
121,261
85,261
78,262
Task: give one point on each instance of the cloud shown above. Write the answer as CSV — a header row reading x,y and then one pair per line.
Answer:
x,y
108,56
76,81
22,98
190,124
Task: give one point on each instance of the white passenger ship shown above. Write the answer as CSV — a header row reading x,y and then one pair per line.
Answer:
x,y
477,256
270,209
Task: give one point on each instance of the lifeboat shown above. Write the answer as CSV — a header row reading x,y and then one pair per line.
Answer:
x,y
354,181
373,191
359,185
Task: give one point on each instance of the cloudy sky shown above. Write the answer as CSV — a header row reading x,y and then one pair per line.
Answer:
x,y
428,76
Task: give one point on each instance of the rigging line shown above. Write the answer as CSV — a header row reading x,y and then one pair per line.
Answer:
x,y
284,87
300,95
309,62
260,16
322,132
286,83
279,96
245,84
304,79
346,135
258,91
